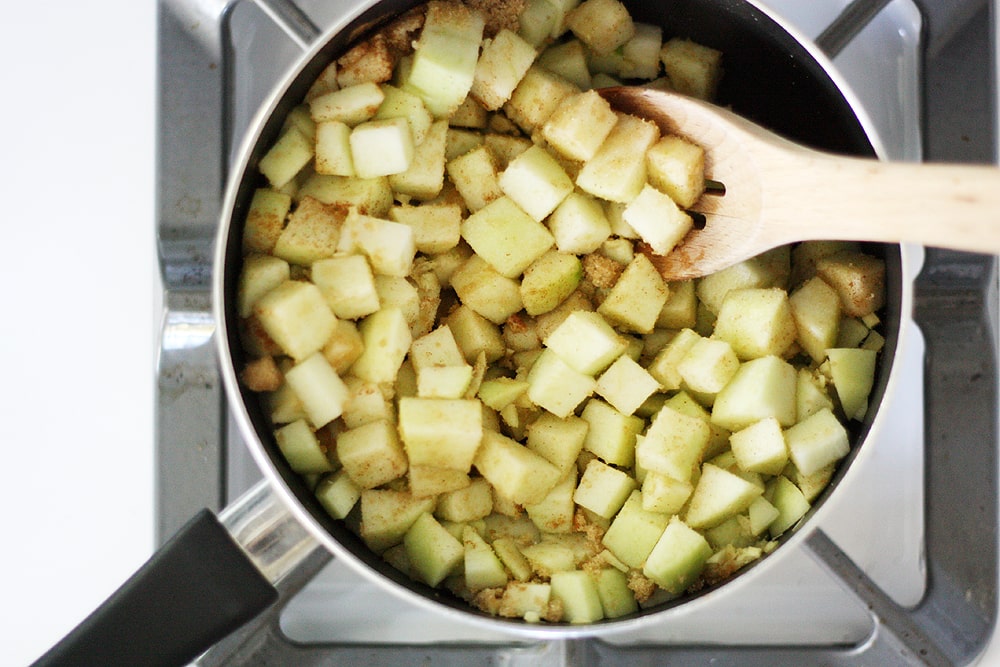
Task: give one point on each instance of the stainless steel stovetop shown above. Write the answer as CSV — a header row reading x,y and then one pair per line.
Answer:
x,y
904,572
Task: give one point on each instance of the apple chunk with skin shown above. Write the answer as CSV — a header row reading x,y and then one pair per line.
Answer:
x,y
516,472
678,558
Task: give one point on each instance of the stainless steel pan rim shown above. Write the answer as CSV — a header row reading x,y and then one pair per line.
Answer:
x,y
331,41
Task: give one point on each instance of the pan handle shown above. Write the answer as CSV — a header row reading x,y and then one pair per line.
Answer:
x,y
209,579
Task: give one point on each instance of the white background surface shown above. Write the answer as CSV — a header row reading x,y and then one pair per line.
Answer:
x,y
77,280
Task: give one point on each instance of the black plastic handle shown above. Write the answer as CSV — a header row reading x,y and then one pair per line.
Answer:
x,y
195,590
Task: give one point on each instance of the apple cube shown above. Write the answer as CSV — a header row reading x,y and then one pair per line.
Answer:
x,y
333,149
603,489
549,281
441,432
436,226
757,322
537,21
657,219
817,441
265,220
810,393
423,180
694,69
790,503
347,285
389,246
536,182
718,495
322,392
617,599
369,196
475,334
678,558
816,310
295,315
760,447
579,125
469,503
626,385
634,531
516,472
761,514
474,173
568,59
761,388
510,555
350,105
664,494
483,289
579,225
381,147
312,232
434,553
386,337
603,25
338,494
300,447
258,276
664,365
500,392
617,171
483,568
529,601
673,445
770,269
642,53
286,157
502,64
366,403
536,98
853,374
554,513
611,434
558,440
371,454
557,386
586,342
387,514
635,302
577,592
444,62
677,167
506,237
858,278
708,365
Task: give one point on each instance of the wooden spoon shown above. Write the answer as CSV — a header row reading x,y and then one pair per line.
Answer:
x,y
778,192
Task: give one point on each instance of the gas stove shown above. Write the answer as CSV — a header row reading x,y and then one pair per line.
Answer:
x,y
904,570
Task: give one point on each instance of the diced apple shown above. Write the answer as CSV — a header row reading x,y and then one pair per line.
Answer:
x,y
312,232
678,558
371,454
286,158
586,342
475,334
617,171
611,434
568,59
717,496
347,285
757,322
295,315
816,309
603,489
536,98
350,105
554,513
502,64
635,302
790,503
469,503
603,25
474,173
436,227
853,374
664,494
369,196
333,149
482,567
338,494
516,472
761,514
549,280
673,445
386,337
761,388
694,69
577,592
657,219
504,235
761,447
626,385
434,552
265,220
439,432
770,269
536,182
634,531
382,147
858,278
817,441
300,447
258,276
617,599
579,125
708,365
423,180
677,167
579,224
389,246
556,386
387,515
483,289
445,57
322,392
559,440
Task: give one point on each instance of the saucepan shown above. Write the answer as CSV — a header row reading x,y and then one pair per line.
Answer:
x,y
206,582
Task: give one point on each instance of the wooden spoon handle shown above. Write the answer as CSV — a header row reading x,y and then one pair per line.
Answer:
x,y
947,206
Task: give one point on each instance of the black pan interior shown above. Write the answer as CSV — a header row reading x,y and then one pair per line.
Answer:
x,y
769,77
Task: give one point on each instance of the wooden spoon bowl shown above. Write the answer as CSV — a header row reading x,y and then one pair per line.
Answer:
x,y
777,192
